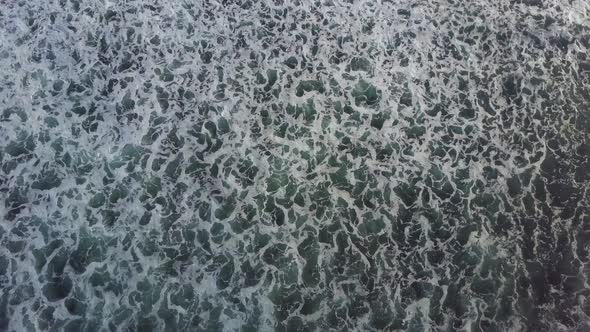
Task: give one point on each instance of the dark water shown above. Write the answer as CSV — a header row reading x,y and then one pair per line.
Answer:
x,y
294,165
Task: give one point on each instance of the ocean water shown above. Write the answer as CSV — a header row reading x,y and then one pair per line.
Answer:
x,y
294,165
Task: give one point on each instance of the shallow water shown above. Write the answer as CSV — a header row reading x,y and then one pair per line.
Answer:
x,y
294,165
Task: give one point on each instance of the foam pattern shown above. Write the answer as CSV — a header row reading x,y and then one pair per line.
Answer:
x,y
294,165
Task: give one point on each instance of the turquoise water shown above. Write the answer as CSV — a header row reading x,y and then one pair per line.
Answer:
x,y
294,165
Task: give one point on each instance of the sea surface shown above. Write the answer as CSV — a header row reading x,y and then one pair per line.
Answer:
x,y
294,165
